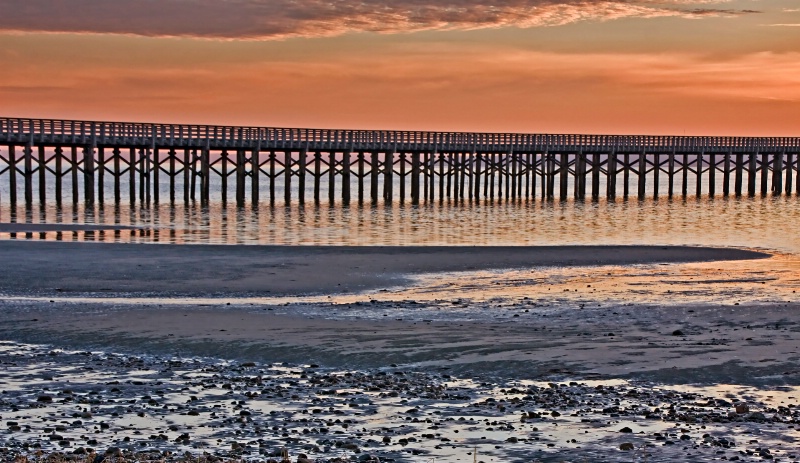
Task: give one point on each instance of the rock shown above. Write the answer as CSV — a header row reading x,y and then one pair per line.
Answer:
x,y
678,333
555,414
742,408
626,446
44,398
626,430
512,440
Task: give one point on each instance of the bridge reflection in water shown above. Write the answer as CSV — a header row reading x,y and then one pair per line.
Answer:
x,y
144,163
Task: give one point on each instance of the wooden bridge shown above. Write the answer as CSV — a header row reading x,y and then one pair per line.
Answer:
x,y
146,160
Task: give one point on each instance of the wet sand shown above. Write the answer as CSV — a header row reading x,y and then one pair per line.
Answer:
x,y
175,270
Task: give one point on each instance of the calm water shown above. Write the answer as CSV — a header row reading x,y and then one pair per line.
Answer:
x,y
768,223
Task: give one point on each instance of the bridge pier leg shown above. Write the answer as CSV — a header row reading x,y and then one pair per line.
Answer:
x,y
751,179
255,177
477,174
239,178
28,173
611,175
595,176
402,179
12,176
777,174
551,174
739,177
764,174
74,174
301,182
685,177
272,160
656,173
205,178
564,178
59,155
288,163
332,177
671,175
117,174
712,175
789,165
374,171
88,175
726,175
388,170
346,176
424,174
172,158
42,168
699,178
462,170
415,177
626,175
132,176
642,174
156,174
186,175
317,174
469,163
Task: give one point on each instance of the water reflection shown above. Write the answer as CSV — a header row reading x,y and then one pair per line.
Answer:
x,y
743,222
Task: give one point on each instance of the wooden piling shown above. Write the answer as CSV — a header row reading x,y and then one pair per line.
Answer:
x,y
751,179
626,175
415,173
115,155
642,175
42,170
789,164
187,155
388,170
611,175
699,177
685,176
12,175
564,178
131,176
777,174
74,171
656,173
301,170
255,176
156,171
59,173
764,173
28,173
712,175
239,178
346,164
88,175
726,175
332,177
374,170
595,176
671,174
738,178
288,162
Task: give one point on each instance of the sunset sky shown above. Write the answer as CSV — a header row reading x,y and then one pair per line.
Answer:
x,y
700,67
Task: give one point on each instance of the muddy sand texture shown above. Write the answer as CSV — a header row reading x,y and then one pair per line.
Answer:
x,y
174,270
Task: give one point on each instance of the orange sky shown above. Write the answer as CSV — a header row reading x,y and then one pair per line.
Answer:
x,y
605,66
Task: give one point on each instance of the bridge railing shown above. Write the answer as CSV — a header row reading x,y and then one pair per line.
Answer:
x,y
88,132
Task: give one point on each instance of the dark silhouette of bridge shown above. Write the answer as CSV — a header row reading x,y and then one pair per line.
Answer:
x,y
425,166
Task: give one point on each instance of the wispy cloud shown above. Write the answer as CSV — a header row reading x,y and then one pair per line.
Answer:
x,y
785,25
276,19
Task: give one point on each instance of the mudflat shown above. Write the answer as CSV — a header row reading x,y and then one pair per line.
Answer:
x,y
181,270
